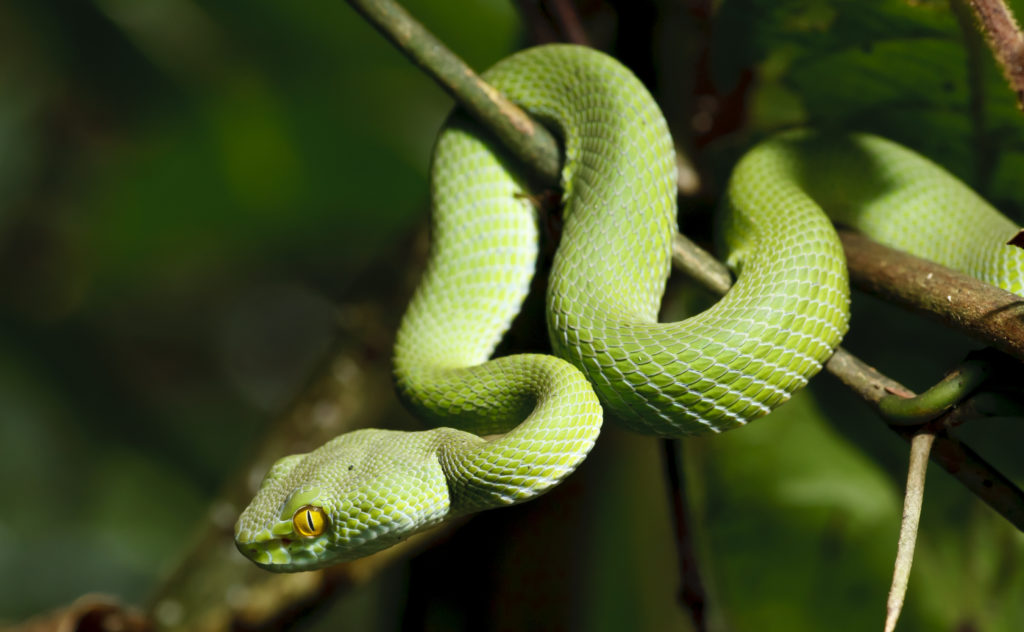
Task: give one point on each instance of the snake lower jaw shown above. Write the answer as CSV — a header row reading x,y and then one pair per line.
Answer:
x,y
279,554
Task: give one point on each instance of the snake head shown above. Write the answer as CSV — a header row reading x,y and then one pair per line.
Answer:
x,y
357,494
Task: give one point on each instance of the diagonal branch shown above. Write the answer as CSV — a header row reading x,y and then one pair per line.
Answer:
x,y
982,311
568,20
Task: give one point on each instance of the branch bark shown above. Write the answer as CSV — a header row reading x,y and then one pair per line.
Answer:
x,y
1005,39
986,313
692,594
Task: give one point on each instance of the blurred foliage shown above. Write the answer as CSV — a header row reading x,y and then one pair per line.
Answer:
x,y
187,188
183,189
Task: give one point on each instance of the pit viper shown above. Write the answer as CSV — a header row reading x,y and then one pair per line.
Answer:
x,y
512,427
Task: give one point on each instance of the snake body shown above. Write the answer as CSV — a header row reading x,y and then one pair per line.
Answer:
x,y
786,313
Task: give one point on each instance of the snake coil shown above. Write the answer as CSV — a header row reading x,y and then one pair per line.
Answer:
x,y
788,310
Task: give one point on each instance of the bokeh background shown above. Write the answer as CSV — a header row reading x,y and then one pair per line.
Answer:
x,y
192,192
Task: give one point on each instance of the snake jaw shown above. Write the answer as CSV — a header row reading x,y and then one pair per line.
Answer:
x,y
373,489
280,554
365,527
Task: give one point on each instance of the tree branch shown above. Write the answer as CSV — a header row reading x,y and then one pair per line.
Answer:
x,y
700,264
692,594
568,21
982,154
984,312
1005,39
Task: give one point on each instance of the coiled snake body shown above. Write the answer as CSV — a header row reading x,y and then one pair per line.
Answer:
x,y
786,313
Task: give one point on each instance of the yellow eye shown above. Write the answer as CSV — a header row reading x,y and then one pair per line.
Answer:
x,y
310,521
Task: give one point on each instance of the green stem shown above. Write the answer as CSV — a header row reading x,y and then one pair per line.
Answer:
x,y
950,391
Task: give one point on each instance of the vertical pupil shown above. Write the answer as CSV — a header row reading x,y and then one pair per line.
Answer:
x,y
309,520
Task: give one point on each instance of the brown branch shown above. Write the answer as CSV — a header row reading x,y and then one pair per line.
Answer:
x,y
700,264
538,25
692,595
977,475
88,612
986,313
982,153
569,22
1005,39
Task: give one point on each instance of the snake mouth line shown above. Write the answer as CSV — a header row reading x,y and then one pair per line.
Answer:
x,y
276,553
280,555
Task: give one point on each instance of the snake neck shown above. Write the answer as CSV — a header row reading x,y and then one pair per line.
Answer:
x,y
540,413
483,252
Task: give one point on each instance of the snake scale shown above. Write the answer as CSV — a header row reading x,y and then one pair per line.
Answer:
x,y
788,310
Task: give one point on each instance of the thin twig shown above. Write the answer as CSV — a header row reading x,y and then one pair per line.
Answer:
x,y
1005,39
700,264
920,447
692,595
538,26
569,22
982,153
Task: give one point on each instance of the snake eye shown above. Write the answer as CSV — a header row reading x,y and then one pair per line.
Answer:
x,y
310,521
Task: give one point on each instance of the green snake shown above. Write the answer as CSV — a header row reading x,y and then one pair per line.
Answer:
x,y
513,427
